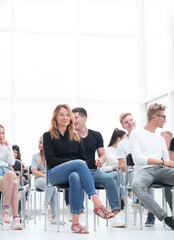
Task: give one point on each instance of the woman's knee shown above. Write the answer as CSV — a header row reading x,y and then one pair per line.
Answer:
x,y
9,175
74,177
15,186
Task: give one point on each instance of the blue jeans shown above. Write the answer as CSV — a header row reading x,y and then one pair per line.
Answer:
x,y
77,174
114,174
3,171
107,181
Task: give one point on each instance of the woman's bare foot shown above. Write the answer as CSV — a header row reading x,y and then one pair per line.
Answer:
x,y
77,228
103,212
100,209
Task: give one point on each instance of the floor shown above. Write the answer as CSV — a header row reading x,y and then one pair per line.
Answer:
x,y
36,231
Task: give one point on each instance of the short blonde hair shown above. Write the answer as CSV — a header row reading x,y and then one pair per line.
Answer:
x,y
123,115
168,133
153,109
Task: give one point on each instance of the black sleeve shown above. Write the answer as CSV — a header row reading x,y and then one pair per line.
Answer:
x,y
99,138
49,152
171,148
81,151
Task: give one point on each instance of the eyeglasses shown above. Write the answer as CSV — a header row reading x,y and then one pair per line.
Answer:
x,y
164,116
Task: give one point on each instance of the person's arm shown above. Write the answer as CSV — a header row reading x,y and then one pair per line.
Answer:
x,y
37,173
101,157
171,156
105,168
10,157
81,151
122,164
50,156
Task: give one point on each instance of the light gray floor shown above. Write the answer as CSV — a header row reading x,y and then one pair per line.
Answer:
x,y
103,232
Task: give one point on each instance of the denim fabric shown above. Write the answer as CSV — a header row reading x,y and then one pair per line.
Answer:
x,y
77,174
107,181
3,171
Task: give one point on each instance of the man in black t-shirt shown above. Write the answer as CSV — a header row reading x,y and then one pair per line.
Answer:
x,y
93,142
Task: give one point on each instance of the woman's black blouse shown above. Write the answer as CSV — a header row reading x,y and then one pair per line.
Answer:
x,y
58,151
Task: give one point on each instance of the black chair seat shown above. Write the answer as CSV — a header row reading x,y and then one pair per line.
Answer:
x,y
159,185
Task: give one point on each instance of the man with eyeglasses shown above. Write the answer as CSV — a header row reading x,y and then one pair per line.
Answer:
x,y
151,158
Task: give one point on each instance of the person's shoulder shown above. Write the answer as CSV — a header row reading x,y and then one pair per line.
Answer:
x,y
36,155
46,135
96,133
123,142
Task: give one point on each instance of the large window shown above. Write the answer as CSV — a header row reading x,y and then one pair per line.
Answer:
x,y
107,56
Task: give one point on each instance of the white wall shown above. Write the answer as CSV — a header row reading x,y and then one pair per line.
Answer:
x,y
80,52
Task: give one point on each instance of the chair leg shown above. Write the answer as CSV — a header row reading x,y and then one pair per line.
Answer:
x,y
173,202
40,209
94,222
86,210
58,210
125,207
34,207
141,225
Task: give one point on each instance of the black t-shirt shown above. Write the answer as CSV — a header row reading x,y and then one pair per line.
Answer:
x,y
93,141
171,148
62,150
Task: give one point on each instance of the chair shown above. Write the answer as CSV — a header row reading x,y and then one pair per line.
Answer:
x,y
107,204
1,205
34,190
59,189
18,168
129,162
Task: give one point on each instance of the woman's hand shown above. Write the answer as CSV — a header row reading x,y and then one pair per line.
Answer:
x,y
4,142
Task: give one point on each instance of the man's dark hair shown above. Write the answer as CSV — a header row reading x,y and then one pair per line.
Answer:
x,y
80,110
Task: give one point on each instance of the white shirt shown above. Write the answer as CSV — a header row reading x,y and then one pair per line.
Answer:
x,y
123,148
111,159
6,156
144,145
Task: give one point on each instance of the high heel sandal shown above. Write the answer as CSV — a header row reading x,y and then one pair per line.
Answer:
x,y
79,229
102,209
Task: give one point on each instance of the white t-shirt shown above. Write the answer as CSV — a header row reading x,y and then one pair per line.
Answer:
x,y
111,159
144,145
123,148
36,163
6,156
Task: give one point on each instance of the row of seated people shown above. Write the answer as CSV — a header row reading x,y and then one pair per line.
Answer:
x,y
62,144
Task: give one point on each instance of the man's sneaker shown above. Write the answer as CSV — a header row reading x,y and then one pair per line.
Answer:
x,y
129,205
54,221
5,216
26,188
170,222
136,205
16,225
118,220
150,221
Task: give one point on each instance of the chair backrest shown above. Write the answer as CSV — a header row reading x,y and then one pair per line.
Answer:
x,y
18,167
129,160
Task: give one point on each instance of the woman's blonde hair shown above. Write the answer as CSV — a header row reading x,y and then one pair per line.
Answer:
x,y
42,160
73,135
153,109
